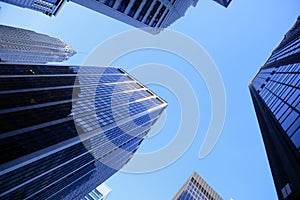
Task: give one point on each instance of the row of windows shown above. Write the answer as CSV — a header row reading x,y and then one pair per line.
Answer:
x,y
292,48
103,102
196,192
13,42
204,188
6,69
135,6
12,83
40,166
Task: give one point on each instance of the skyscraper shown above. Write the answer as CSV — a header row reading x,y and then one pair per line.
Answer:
x,y
153,14
48,7
224,3
195,188
99,193
24,46
275,92
67,129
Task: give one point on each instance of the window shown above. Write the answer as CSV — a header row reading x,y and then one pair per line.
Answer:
x,y
152,13
134,8
123,5
286,191
144,10
158,16
110,3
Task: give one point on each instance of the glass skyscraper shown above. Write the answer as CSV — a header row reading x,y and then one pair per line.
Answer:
x,y
275,92
19,45
195,188
48,7
67,129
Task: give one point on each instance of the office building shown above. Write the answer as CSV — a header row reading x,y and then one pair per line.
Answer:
x,y
275,92
154,15
195,188
67,129
24,46
224,3
48,7
99,193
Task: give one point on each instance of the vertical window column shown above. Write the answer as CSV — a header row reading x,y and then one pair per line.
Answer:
x,y
162,23
129,6
139,9
162,17
117,3
148,11
155,18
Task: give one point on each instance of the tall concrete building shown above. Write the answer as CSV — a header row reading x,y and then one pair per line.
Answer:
x,y
275,92
48,7
152,14
24,46
195,188
64,130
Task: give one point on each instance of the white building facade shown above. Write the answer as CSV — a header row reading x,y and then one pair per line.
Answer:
x,y
154,15
24,46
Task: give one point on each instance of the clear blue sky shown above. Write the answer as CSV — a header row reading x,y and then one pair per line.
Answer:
x,y
239,39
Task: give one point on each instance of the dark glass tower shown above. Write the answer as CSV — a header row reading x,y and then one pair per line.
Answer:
x,y
275,92
65,129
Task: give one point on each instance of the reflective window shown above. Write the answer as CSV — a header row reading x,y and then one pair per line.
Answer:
x,y
134,8
123,5
110,3
144,10
152,12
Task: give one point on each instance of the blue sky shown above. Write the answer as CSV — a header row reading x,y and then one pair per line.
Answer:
x,y
238,39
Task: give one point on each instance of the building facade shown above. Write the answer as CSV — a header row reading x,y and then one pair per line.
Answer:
x,y
67,129
195,188
152,15
48,7
224,3
275,92
24,46
99,193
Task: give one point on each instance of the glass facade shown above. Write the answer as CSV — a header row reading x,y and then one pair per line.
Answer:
x,y
195,188
67,129
275,92
279,89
